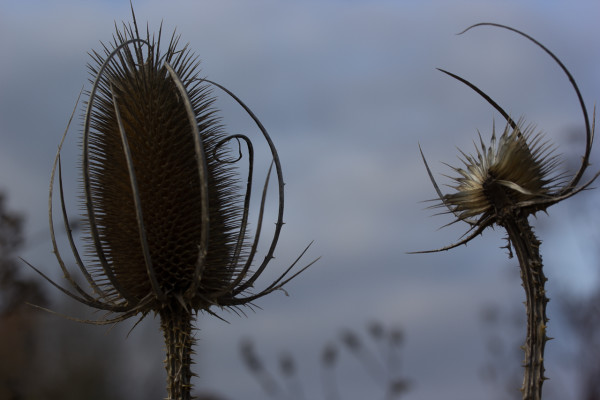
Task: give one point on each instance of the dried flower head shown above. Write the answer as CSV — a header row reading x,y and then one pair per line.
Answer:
x,y
517,171
166,213
519,163
167,226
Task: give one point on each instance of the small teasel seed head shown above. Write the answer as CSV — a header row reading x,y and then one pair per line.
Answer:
x,y
376,330
287,365
253,362
517,172
519,165
329,355
351,340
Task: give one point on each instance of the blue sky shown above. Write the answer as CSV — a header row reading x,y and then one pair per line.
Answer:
x,y
347,90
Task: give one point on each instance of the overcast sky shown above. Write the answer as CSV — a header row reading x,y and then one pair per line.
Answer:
x,y
347,90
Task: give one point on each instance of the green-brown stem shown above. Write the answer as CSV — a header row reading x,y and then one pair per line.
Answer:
x,y
176,325
526,246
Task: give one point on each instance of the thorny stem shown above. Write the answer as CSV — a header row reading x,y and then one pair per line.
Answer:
x,y
176,325
526,246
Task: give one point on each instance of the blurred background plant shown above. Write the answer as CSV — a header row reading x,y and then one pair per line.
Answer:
x,y
15,289
583,316
502,329
378,356
17,342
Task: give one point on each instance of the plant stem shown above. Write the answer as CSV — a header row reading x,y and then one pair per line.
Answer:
x,y
526,246
176,325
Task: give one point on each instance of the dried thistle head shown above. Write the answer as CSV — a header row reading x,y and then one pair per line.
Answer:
x,y
518,163
165,210
516,173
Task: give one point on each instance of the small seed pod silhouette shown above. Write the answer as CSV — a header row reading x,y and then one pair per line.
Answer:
x,y
505,182
165,211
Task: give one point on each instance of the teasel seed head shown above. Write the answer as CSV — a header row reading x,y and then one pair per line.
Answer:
x,y
519,163
166,212
515,172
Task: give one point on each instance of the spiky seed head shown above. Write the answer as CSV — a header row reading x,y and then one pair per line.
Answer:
x,y
516,175
166,214
136,88
519,165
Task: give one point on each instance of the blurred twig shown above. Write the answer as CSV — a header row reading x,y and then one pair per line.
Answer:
x,y
381,364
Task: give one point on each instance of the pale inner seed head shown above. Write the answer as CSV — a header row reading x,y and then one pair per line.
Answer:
x,y
519,161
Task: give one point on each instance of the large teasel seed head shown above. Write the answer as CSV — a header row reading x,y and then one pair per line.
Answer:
x,y
138,97
165,209
165,165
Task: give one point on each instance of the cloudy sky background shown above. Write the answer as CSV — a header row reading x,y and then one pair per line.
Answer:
x,y
347,90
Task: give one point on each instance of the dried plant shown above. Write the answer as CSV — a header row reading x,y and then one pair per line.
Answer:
x,y
17,344
583,318
15,289
503,183
166,214
382,365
